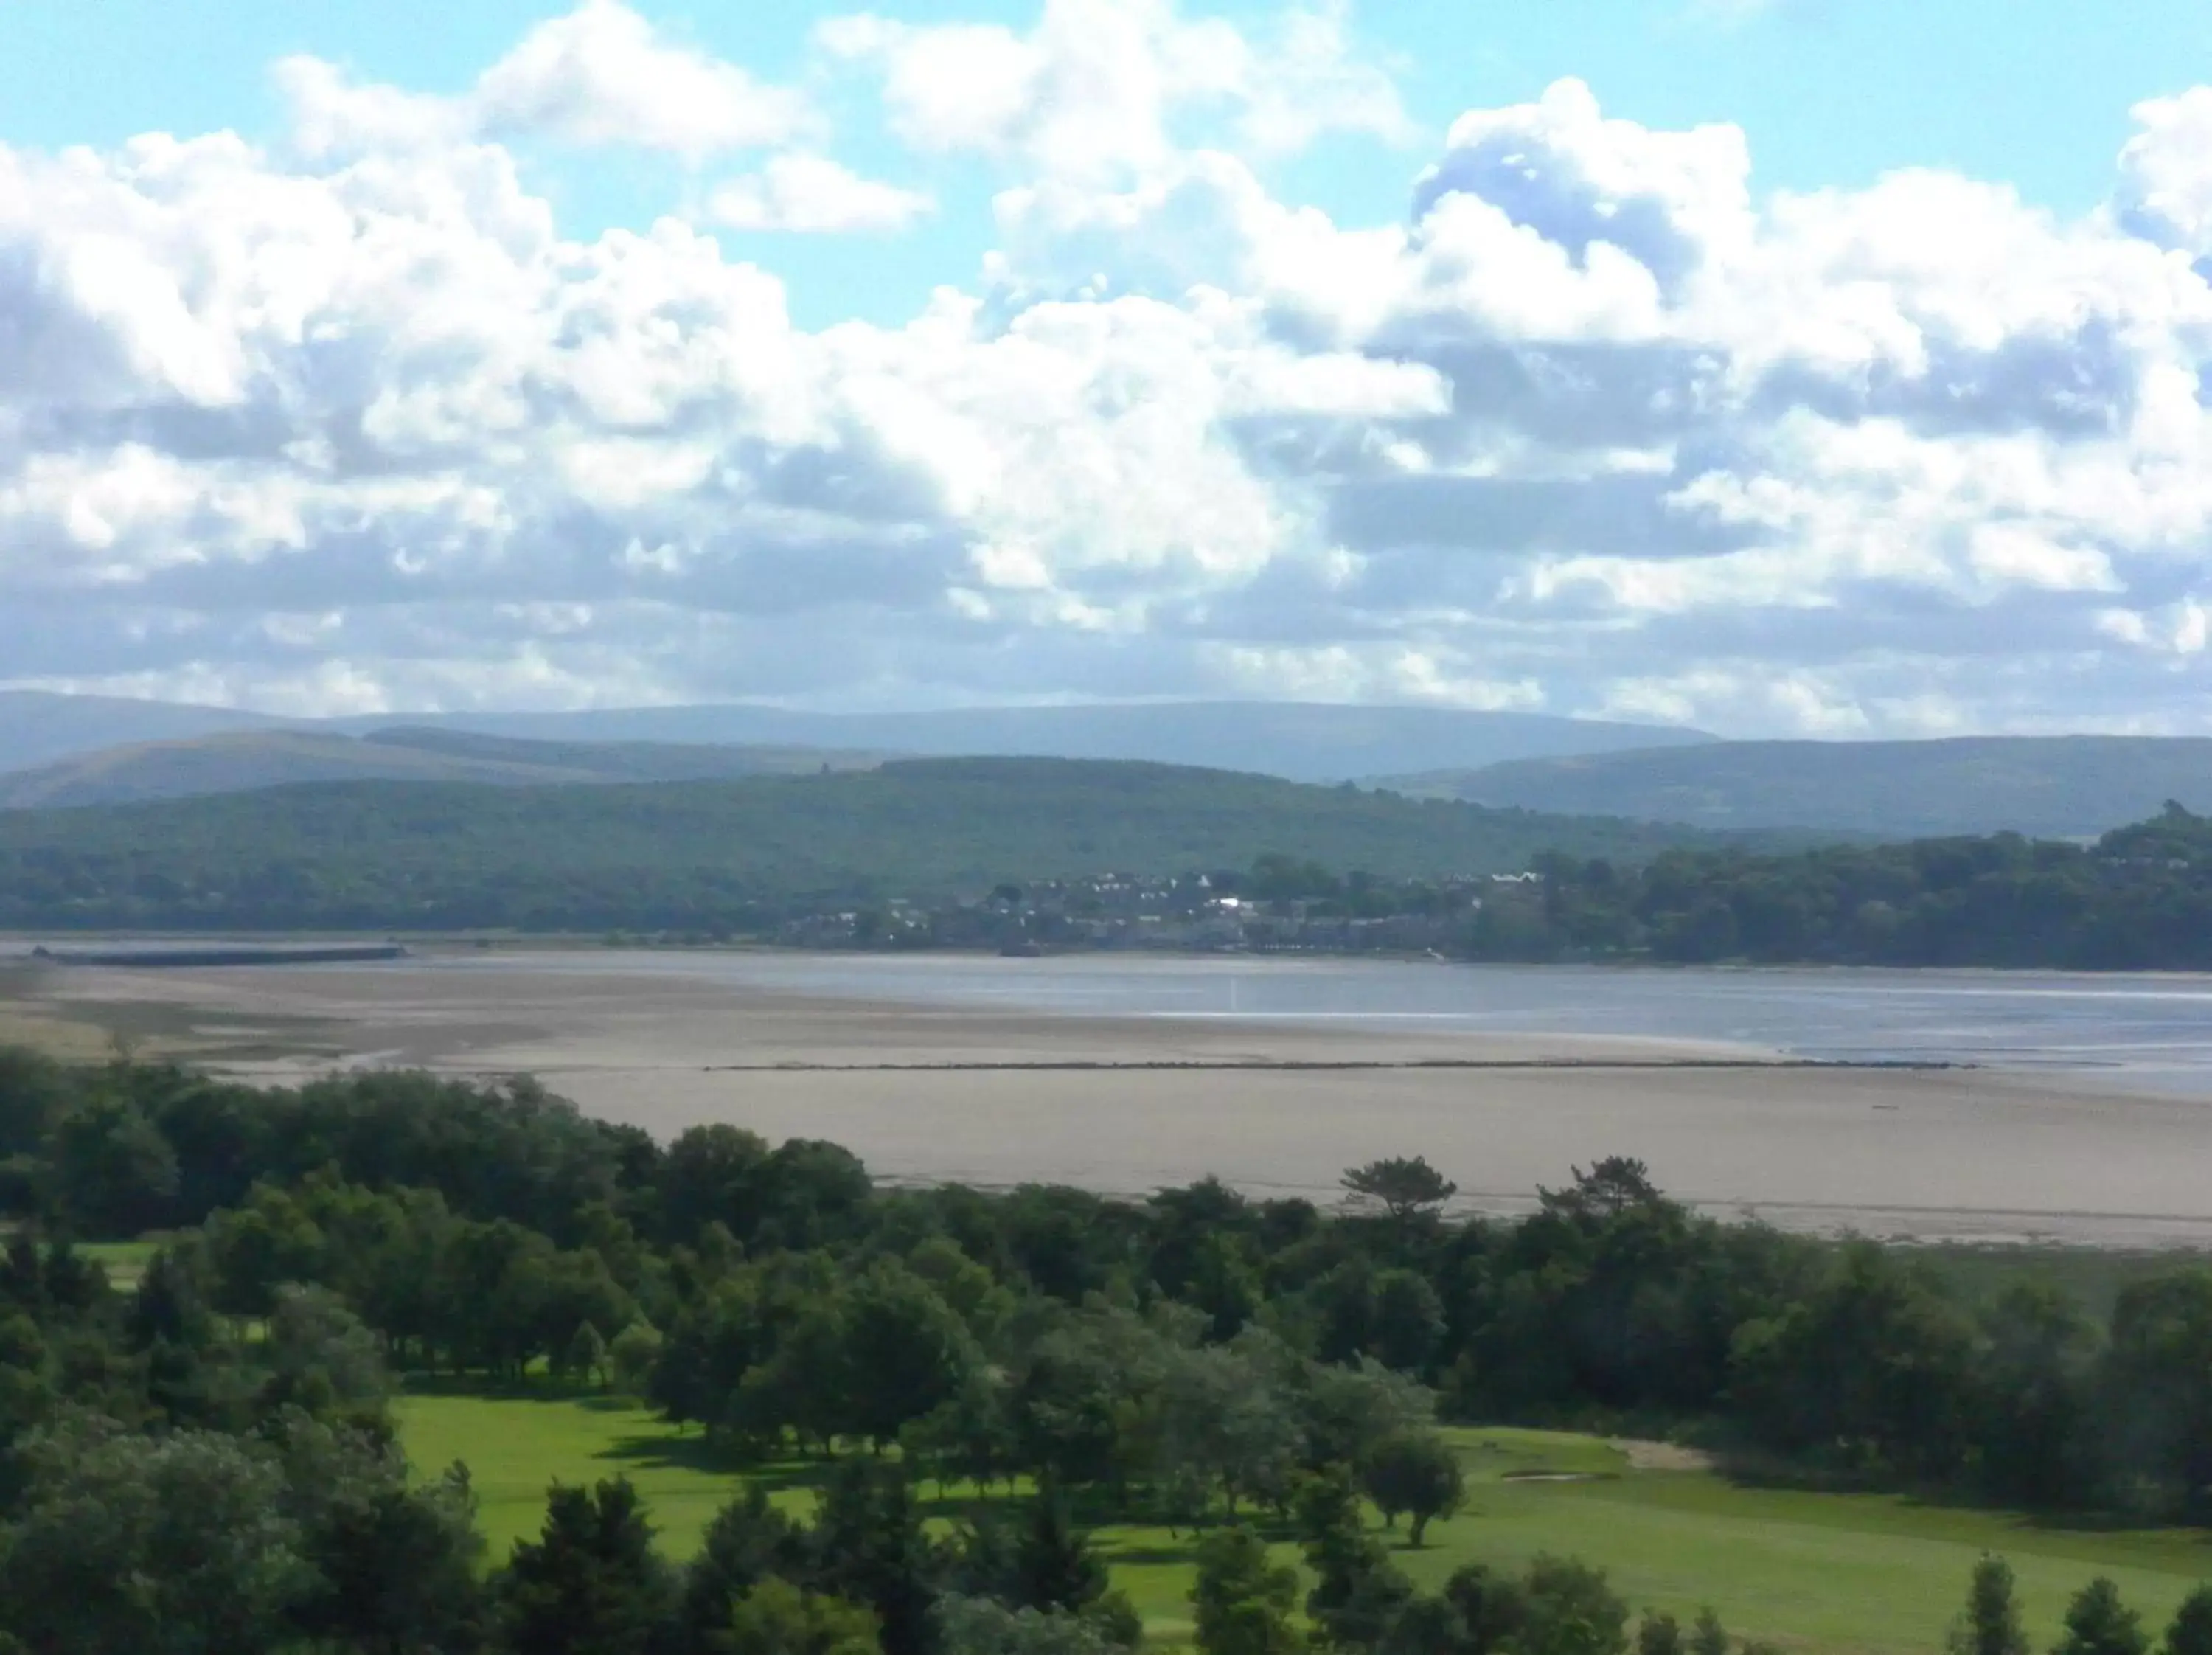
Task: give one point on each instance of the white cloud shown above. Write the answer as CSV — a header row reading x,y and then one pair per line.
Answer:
x,y
600,76
812,193
1591,427
1099,89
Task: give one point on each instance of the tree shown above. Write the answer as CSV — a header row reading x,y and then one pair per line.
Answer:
x,y
711,1174
1054,1566
1659,1634
1405,1189
394,1560
777,1618
1708,1636
1242,1598
1357,1593
982,1626
591,1584
113,1173
2159,1378
1492,1607
322,1360
1990,1622
2190,1633
867,1545
1570,1610
587,1354
2099,1623
1417,1473
633,1355
134,1545
748,1541
905,1352
1407,1320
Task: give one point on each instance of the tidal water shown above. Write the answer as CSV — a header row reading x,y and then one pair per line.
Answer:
x,y
2151,1031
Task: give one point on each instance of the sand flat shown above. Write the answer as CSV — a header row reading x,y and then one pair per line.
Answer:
x,y
1127,1105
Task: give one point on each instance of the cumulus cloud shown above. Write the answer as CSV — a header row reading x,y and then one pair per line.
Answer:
x,y
602,74
805,192
1099,89
1583,423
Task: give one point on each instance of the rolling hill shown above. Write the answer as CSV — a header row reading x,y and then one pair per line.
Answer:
x,y
37,727
244,760
440,855
1299,740
2055,787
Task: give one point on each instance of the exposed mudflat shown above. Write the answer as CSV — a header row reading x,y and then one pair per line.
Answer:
x,y
997,1096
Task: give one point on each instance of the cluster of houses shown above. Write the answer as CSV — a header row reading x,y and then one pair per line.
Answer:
x,y
1191,913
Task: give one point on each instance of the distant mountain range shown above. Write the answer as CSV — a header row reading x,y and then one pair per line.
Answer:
x,y
2048,787
68,750
239,761
226,751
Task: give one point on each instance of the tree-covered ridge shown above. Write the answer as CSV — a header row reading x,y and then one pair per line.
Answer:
x,y
2138,899
722,856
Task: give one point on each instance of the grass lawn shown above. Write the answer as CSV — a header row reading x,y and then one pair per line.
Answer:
x,y
1813,1571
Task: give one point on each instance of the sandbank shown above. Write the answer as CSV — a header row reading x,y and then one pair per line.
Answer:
x,y
996,1096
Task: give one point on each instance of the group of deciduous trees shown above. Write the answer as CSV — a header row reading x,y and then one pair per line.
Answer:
x,y
1197,1358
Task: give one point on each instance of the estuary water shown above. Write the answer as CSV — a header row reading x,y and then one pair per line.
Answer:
x,y
2148,1031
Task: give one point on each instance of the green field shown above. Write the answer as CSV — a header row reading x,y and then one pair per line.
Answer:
x,y
1810,1571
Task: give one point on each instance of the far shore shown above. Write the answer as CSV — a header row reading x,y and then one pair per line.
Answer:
x,y
16,946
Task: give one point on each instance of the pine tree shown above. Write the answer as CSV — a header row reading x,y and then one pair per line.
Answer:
x,y
2098,1623
1990,1623
1709,1636
1243,1599
591,1584
2190,1633
1054,1563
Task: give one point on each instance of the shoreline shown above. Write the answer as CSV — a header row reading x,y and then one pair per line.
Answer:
x,y
17,947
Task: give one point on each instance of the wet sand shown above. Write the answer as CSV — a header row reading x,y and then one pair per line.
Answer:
x,y
998,1097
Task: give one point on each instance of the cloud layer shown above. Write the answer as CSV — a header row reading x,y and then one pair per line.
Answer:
x,y
1581,424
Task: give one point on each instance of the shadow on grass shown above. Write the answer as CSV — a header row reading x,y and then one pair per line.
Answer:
x,y
1761,1474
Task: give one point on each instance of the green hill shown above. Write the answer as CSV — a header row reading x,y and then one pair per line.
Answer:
x,y
244,760
413,855
2055,787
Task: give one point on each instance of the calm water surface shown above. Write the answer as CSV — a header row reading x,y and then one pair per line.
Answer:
x,y
2153,1032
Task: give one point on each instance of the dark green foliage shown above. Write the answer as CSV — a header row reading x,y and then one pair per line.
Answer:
x,y
1990,1622
1659,1634
867,1546
1242,1598
777,1618
1405,1189
2141,898
1054,1567
1569,1610
591,1584
2099,1623
215,1544
1416,1474
719,856
748,1541
2191,1631
1358,1593
1492,1607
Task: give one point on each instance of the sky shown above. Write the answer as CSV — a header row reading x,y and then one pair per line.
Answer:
x,y
1828,367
